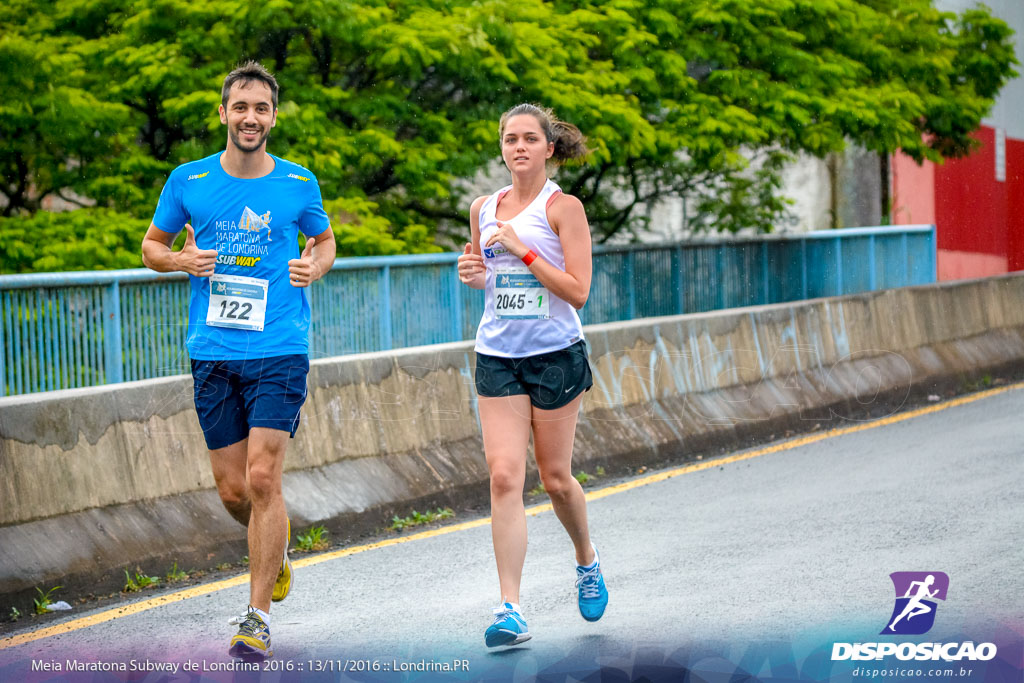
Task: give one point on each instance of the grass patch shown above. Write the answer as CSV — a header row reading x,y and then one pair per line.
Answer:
x,y
15,614
979,383
174,574
415,519
582,477
43,601
315,538
138,582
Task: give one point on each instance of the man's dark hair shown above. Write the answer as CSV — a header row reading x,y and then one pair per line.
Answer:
x,y
246,73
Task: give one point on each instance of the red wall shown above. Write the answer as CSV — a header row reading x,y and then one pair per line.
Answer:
x,y
1015,188
971,207
979,220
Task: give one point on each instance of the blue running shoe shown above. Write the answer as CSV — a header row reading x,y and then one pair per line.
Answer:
x,y
509,627
593,594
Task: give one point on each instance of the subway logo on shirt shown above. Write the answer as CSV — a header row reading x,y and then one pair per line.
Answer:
x,y
232,260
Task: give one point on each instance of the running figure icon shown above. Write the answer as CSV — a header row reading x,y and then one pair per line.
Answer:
x,y
916,596
915,607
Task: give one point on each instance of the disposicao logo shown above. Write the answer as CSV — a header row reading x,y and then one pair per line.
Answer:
x,y
914,614
916,592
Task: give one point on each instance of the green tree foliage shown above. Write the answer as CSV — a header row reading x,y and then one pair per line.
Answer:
x,y
394,105
72,240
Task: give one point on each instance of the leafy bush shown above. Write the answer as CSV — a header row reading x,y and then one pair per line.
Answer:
x,y
86,239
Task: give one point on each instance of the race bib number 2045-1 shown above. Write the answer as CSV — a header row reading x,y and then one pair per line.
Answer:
x,y
519,295
237,302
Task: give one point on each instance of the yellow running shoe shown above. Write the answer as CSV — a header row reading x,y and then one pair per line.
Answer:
x,y
283,585
252,643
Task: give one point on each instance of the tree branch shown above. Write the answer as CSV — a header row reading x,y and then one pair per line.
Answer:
x,y
586,196
71,200
581,180
384,179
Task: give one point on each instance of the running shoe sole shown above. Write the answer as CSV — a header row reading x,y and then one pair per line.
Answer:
x,y
499,638
248,653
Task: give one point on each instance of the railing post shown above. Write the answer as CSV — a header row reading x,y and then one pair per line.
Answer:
x,y
909,277
677,279
933,255
3,349
720,262
873,258
457,288
631,306
803,268
19,372
53,365
385,308
766,291
839,266
112,353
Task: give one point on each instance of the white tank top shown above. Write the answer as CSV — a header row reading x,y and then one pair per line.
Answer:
x,y
521,318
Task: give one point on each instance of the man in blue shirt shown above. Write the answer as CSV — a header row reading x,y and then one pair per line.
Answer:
x,y
248,320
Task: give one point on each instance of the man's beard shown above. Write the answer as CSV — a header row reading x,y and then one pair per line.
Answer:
x,y
236,139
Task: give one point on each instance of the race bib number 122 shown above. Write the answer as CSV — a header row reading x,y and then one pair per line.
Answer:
x,y
237,302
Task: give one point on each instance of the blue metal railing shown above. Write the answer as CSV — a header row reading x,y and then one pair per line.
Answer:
x,y
76,329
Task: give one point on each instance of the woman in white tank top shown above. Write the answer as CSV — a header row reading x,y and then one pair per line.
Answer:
x,y
531,255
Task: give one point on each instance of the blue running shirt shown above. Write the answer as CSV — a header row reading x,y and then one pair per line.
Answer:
x,y
253,224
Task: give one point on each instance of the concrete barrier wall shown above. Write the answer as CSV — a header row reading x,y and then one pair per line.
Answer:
x,y
96,480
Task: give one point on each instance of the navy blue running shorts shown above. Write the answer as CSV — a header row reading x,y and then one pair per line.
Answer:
x,y
233,396
551,380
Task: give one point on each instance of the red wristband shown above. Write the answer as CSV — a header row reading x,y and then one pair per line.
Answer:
x,y
530,257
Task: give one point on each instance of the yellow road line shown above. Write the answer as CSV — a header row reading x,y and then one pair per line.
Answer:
x,y
196,591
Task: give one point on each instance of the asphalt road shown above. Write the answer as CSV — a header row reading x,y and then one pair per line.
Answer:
x,y
757,563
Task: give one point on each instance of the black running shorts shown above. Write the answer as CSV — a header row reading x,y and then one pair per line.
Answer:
x,y
551,380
